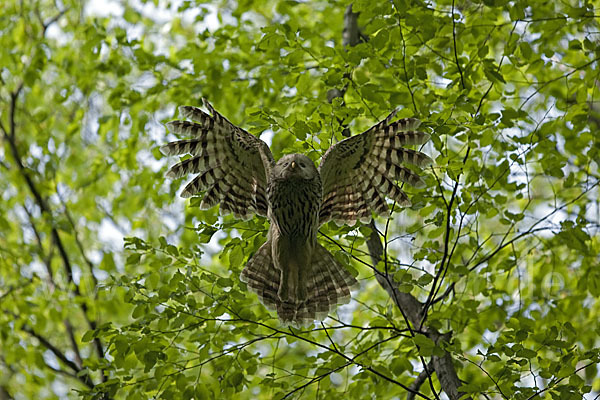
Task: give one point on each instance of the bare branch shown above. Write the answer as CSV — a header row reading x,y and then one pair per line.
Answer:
x,y
411,309
74,230
351,33
462,79
406,79
85,379
44,208
4,394
416,385
556,382
444,264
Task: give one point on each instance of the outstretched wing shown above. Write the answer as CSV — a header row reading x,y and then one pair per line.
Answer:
x,y
232,164
358,173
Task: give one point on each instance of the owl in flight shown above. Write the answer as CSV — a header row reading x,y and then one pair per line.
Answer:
x,y
292,273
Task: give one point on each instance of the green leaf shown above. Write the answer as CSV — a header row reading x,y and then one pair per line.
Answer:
x,y
593,283
108,263
88,336
424,344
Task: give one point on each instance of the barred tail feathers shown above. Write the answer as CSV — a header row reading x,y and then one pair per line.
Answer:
x,y
328,285
262,277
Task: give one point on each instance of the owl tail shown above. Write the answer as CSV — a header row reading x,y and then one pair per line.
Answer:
x,y
328,284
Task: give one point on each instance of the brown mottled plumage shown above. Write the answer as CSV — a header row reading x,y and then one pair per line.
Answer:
x,y
292,273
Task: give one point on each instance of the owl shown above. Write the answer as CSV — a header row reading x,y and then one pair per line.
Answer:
x,y
291,272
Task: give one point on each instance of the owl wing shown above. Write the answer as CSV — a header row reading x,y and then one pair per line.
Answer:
x,y
358,173
232,164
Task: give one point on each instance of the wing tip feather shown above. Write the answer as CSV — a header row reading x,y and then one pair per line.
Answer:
x,y
205,206
186,194
208,106
414,123
186,111
165,149
404,203
391,116
426,162
419,184
172,125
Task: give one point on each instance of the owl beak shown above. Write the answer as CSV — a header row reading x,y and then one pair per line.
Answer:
x,y
293,165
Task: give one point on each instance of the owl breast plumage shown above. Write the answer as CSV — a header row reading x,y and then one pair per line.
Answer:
x,y
292,273
295,200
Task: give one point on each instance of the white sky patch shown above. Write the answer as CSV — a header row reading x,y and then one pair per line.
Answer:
x,y
34,267
51,360
95,256
36,151
145,157
145,81
489,337
110,234
103,8
76,274
267,136
172,223
54,32
212,247
60,389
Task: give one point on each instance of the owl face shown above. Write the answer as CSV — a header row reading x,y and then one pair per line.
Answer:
x,y
295,166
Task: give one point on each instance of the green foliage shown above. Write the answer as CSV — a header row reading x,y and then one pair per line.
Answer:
x,y
111,287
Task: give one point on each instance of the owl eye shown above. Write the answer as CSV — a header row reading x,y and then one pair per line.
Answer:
x,y
302,165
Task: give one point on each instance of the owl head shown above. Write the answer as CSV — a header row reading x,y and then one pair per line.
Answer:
x,y
295,166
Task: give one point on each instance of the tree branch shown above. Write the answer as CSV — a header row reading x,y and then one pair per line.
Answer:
x,y
351,36
462,79
76,237
444,264
408,305
4,394
412,310
409,302
348,363
46,259
406,79
351,32
416,385
44,208
557,381
85,379
346,357
10,138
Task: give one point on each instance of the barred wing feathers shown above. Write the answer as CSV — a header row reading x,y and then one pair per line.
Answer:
x,y
232,164
358,173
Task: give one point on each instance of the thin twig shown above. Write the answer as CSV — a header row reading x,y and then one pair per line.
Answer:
x,y
462,79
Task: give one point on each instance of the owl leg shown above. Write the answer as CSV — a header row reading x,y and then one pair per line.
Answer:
x,y
291,259
302,267
280,248
284,291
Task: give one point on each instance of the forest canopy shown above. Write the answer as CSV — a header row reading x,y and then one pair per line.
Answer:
x,y
113,287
